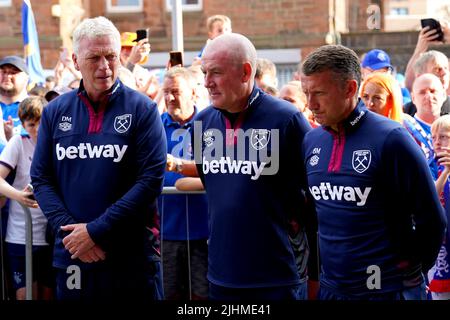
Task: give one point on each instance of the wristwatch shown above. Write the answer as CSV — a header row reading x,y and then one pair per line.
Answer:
x,y
179,166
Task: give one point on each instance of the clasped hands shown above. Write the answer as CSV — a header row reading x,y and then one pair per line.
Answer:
x,y
80,245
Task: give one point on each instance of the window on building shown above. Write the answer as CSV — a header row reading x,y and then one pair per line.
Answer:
x,y
124,5
399,11
187,5
5,3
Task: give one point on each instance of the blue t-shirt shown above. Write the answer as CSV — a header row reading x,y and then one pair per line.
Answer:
x,y
172,208
13,111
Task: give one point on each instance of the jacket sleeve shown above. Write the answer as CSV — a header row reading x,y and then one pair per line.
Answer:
x,y
306,213
43,177
151,150
416,218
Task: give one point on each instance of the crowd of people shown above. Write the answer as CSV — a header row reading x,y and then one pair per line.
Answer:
x,y
334,186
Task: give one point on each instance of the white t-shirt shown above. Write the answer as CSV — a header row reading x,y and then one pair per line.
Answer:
x,y
18,154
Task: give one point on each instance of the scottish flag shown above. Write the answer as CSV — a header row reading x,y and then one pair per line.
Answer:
x,y
31,44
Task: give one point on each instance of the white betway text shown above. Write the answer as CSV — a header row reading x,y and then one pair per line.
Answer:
x,y
227,165
327,192
88,151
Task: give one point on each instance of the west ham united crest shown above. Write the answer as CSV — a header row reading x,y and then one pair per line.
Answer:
x,y
260,138
122,123
361,160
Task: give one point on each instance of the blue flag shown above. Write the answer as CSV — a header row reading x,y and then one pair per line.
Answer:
x,y
31,44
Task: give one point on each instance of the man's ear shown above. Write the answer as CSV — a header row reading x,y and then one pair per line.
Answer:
x,y
352,88
247,68
75,62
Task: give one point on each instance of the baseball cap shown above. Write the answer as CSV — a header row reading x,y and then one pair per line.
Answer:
x,y
376,59
128,39
16,61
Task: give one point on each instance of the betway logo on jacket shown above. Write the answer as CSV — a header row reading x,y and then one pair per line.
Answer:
x,y
326,192
88,151
226,165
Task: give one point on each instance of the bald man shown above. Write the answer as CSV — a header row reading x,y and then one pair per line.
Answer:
x,y
434,62
249,161
428,95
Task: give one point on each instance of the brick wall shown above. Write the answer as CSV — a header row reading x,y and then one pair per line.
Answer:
x,y
48,30
270,24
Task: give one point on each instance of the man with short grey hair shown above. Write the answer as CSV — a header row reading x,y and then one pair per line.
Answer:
x,y
97,171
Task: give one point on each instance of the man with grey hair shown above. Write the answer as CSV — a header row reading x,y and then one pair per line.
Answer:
x,y
184,218
97,171
247,151
434,62
379,225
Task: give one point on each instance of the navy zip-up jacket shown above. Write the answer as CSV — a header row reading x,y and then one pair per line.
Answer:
x,y
102,167
252,173
376,203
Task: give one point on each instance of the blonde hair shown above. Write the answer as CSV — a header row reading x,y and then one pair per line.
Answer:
x,y
394,107
443,122
218,17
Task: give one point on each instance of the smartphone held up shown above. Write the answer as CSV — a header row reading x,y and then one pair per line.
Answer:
x,y
176,58
433,24
142,34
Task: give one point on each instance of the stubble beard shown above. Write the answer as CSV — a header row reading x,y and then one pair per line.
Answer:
x,y
8,92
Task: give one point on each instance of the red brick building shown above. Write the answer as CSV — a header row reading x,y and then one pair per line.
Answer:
x,y
282,30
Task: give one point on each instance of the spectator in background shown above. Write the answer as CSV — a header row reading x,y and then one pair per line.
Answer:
x,y
375,60
13,89
17,156
426,38
38,90
215,25
133,53
184,218
381,94
65,71
266,76
56,92
50,82
428,95
436,63
439,274
292,92
201,93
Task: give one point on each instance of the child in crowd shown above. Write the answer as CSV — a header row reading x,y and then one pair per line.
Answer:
x,y
17,156
439,275
216,25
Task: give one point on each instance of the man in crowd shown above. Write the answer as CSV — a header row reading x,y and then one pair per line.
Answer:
x,y
13,89
184,218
